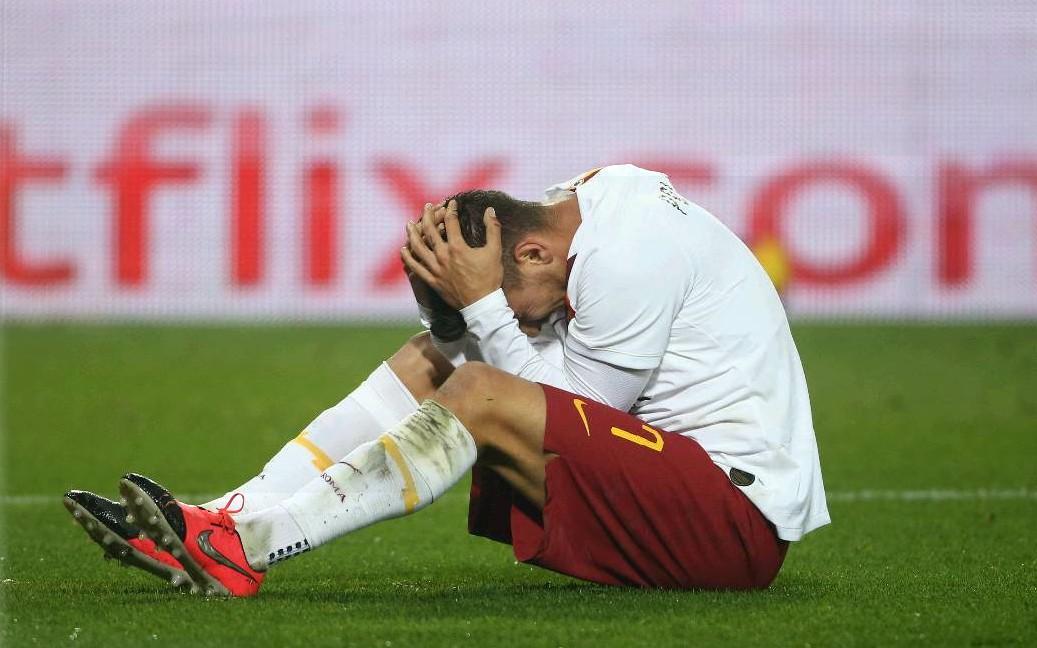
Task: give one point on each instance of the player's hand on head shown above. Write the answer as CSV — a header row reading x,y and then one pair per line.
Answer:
x,y
423,293
460,274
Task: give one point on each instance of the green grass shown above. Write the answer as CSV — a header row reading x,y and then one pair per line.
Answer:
x,y
896,408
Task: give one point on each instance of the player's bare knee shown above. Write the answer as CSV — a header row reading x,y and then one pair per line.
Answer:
x,y
420,366
467,388
470,393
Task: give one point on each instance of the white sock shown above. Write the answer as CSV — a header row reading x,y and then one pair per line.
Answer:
x,y
378,404
398,473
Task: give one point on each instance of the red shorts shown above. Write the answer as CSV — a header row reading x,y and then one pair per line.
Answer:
x,y
628,505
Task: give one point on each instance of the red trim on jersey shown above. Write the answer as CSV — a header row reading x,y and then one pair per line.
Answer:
x,y
583,179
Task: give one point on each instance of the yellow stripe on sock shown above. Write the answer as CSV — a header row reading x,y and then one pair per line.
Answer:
x,y
410,494
321,460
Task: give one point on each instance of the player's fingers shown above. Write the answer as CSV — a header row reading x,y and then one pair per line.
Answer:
x,y
451,208
415,267
440,213
453,227
429,229
493,233
440,220
437,230
406,270
428,212
418,248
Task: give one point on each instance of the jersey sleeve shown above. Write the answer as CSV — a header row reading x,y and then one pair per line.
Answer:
x,y
495,331
626,296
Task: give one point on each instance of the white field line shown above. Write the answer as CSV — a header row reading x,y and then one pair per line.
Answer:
x,y
866,495
932,495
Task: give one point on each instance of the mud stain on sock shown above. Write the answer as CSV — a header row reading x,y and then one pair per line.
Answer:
x,y
432,436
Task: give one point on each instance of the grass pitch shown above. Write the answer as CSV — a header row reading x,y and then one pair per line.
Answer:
x,y
928,442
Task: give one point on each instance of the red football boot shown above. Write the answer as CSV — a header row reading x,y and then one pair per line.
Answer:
x,y
206,543
107,524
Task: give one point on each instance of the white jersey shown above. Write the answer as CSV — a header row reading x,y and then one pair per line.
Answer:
x,y
695,306
658,285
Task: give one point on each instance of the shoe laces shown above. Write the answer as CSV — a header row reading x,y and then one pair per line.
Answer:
x,y
224,513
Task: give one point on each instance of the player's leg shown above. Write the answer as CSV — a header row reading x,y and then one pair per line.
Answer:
x,y
477,411
629,504
506,416
391,392
400,472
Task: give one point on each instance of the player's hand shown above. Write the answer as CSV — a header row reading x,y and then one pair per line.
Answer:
x,y
423,294
462,275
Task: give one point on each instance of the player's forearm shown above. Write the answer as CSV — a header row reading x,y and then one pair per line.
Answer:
x,y
493,326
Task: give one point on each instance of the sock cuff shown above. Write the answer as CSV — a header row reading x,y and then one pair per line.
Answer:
x,y
442,416
435,443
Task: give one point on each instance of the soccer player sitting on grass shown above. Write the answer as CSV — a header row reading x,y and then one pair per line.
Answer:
x,y
655,433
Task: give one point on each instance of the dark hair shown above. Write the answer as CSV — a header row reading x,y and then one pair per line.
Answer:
x,y
517,217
